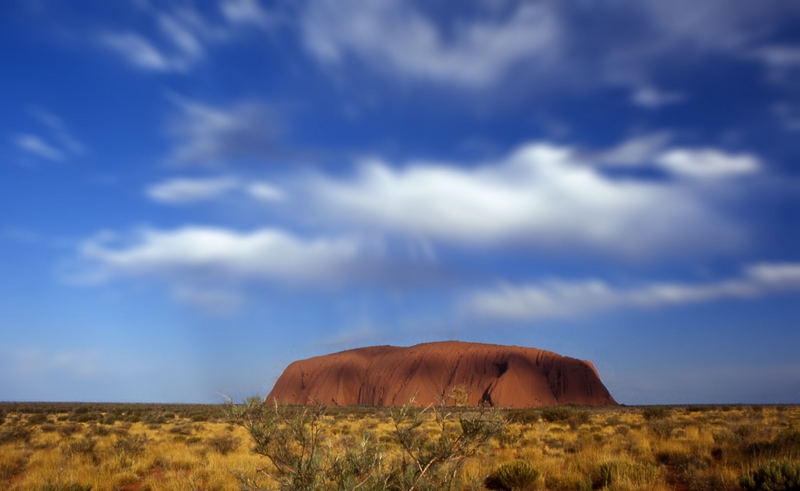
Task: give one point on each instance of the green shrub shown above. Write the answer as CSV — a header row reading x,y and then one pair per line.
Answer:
x,y
359,466
513,475
773,476
434,442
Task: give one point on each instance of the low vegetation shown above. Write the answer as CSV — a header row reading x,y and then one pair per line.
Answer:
x,y
256,446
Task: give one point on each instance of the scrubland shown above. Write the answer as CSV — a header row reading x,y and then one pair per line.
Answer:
x,y
130,447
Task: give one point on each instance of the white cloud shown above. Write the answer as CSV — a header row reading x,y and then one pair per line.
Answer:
x,y
188,190
60,133
397,38
208,135
59,144
696,163
37,146
782,63
245,11
708,163
637,150
183,190
140,52
652,98
779,57
264,191
776,274
180,36
221,254
540,44
540,194
719,25
568,298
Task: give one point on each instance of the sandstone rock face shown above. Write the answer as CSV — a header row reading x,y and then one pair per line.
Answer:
x,y
501,376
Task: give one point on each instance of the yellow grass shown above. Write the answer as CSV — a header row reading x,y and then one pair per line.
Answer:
x,y
684,449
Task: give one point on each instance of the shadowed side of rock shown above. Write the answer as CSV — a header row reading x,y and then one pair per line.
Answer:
x,y
501,376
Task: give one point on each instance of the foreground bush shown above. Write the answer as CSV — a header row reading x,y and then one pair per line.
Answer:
x,y
511,476
302,453
775,475
223,444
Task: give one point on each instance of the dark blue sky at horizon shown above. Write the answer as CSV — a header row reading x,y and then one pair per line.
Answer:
x,y
195,194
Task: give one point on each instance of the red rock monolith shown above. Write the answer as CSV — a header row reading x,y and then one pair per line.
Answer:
x,y
495,375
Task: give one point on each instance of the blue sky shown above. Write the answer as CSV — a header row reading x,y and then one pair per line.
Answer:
x,y
194,194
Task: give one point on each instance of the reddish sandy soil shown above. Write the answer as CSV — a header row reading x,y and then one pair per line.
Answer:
x,y
502,376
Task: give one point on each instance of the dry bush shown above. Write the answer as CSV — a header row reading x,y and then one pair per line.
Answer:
x,y
15,434
433,442
655,412
83,446
182,429
437,461
69,429
37,419
223,444
130,446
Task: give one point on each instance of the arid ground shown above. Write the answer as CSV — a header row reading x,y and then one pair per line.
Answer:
x,y
163,446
